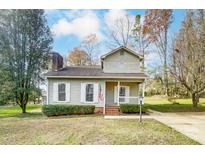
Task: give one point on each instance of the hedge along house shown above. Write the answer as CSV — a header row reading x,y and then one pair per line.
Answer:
x,y
116,81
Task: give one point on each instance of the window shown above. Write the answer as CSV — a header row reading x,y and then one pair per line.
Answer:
x,y
61,92
89,93
122,94
121,52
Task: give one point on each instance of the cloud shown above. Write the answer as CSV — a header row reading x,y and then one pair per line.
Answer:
x,y
119,24
79,23
74,13
112,16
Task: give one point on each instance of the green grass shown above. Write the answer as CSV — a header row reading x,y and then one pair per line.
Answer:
x,y
15,111
88,130
163,105
34,128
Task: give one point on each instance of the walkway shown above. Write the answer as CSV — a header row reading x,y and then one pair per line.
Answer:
x,y
189,123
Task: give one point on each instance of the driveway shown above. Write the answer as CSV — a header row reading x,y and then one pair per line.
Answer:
x,y
189,124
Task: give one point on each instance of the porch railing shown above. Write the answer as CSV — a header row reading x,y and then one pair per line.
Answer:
x,y
130,100
138,100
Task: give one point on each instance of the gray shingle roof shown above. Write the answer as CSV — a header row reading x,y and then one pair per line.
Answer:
x,y
94,72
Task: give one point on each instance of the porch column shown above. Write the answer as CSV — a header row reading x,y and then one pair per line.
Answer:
x,y
143,87
118,93
47,88
104,98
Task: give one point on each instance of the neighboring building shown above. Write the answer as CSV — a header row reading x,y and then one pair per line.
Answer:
x,y
116,81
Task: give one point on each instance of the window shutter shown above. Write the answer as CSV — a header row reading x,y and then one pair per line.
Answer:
x,y
82,92
55,92
67,92
127,93
96,92
115,94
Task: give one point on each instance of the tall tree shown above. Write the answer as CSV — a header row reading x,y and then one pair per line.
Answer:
x,y
25,41
90,45
6,86
188,57
156,24
141,37
78,57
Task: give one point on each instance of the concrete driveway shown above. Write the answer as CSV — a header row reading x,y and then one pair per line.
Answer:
x,y
189,124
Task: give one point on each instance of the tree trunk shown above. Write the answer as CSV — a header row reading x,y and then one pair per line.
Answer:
x,y
24,101
166,84
23,108
143,61
195,100
165,64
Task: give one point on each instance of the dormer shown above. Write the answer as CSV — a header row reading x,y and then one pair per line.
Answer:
x,y
121,60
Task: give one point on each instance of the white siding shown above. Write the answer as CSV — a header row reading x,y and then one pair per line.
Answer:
x,y
75,90
55,92
116,63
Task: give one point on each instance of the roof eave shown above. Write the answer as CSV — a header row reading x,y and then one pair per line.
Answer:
x,y
98,77
122,47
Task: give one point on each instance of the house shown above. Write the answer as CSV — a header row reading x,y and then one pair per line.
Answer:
x,y
116,81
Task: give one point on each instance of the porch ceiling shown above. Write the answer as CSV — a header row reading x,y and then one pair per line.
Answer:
x,y
125,80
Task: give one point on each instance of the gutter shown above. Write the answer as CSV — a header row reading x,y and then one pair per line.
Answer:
x,y
97,77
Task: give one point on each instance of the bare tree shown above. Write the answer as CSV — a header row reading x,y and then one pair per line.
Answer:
x,y
188,57
90,45
156,24
141,38
120,32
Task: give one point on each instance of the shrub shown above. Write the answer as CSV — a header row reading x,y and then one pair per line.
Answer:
x,y
131,108
64,109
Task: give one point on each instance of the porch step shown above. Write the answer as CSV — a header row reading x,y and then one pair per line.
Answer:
x,y
112,110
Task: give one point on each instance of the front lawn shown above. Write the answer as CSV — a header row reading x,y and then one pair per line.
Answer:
x,y
15,111
83,130
164,105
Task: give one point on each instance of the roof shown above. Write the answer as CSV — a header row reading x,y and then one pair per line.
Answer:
x,y
91,72
125,48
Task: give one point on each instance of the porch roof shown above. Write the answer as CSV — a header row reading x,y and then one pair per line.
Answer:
x,y
91,72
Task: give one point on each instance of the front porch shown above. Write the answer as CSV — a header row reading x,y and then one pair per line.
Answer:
x,y
121,91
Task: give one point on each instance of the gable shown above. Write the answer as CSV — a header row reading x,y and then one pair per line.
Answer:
x,y
121,61
122,55
121,50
